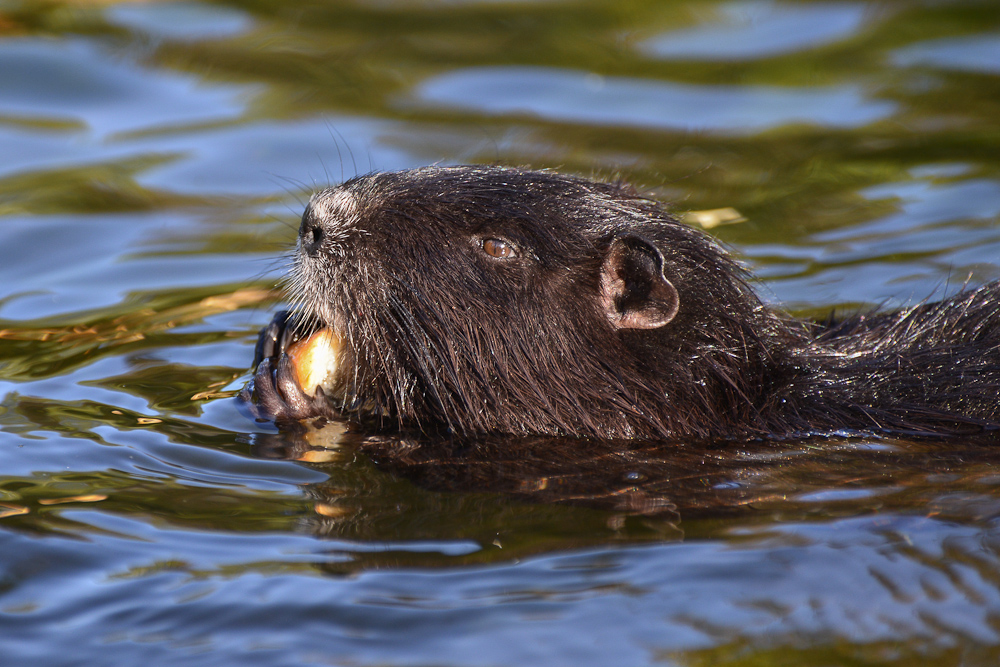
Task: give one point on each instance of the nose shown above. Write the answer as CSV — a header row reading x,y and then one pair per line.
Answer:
x,y
328,220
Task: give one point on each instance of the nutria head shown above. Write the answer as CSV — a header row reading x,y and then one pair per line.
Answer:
x,y
490,299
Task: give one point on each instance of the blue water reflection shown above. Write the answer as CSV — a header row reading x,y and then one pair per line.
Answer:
x,y
104,94
258,159
858,262
860,580
750,30
571,96
971,53
183,21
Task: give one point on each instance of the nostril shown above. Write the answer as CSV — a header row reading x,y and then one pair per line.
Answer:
x,y
311,235
316,236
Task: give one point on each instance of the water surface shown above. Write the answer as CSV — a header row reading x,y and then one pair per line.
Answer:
x,y
155,159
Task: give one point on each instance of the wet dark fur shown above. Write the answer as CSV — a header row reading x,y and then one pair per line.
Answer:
x,y
444,336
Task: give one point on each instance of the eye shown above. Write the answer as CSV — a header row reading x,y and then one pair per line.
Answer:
x,y
498,248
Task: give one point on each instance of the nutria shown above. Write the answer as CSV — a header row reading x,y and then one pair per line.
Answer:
x,y
498,300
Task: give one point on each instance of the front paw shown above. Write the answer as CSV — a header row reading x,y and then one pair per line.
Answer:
x,y
274,393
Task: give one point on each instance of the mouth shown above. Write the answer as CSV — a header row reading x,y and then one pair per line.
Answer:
x,y
317,357
317,360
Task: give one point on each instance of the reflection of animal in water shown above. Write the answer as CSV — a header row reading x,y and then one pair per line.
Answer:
x,y
498,300
673,482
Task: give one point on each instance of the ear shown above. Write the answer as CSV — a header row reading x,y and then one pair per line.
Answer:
x,y
634,292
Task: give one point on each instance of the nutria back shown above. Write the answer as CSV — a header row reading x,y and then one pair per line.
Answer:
x,y
500,300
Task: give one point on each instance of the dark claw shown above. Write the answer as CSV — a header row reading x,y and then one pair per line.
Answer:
x,y
289,332
246,396
273,338
265,343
